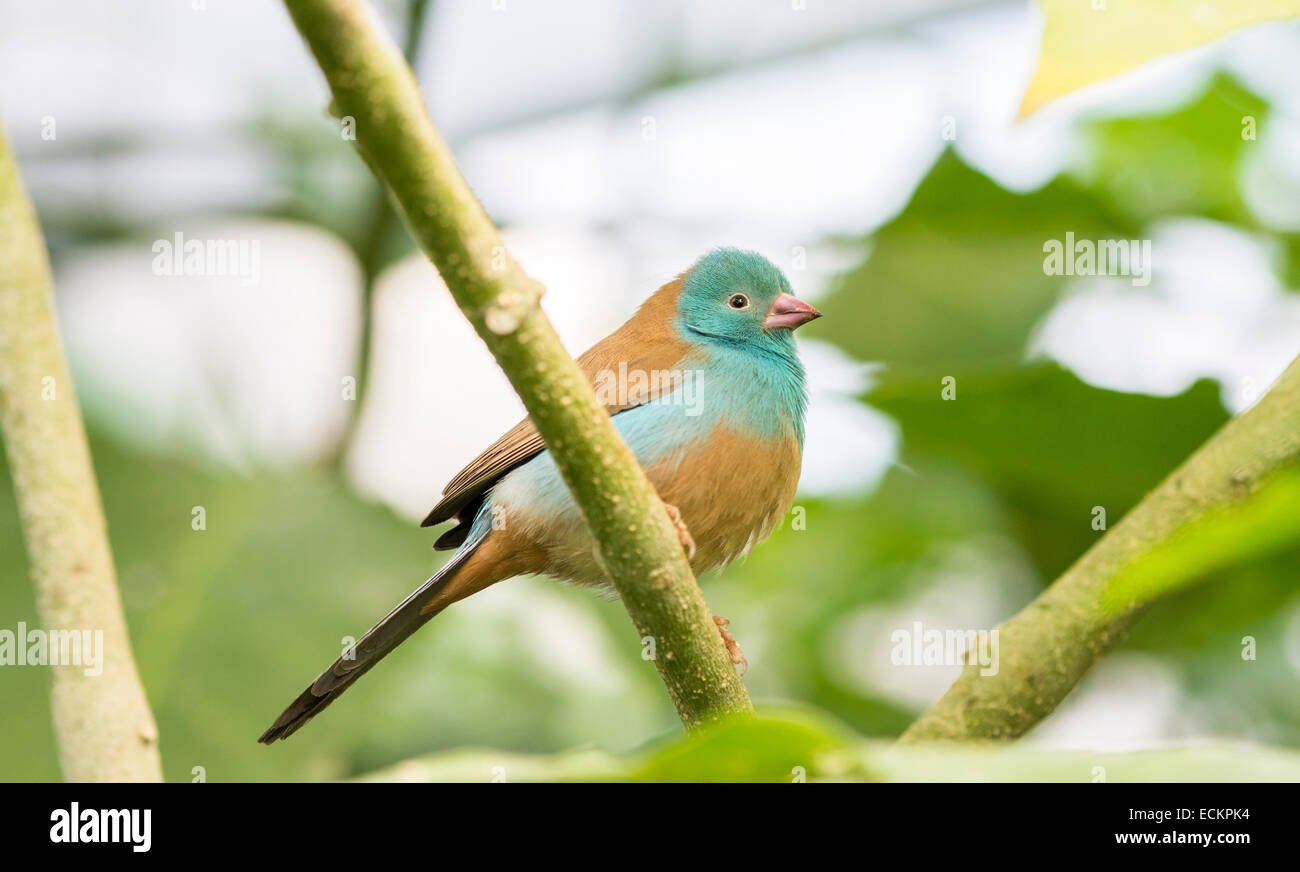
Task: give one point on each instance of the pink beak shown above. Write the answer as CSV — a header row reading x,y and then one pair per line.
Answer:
x,y
789,312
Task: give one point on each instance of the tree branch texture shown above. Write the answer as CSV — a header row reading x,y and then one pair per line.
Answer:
x,y
102,722
1237,493
637,545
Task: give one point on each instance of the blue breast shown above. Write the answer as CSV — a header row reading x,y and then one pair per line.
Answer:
x,y
753,394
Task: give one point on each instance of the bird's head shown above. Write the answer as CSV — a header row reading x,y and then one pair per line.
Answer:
x,y
740,298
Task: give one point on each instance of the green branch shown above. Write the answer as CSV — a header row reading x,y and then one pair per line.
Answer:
x,y
637,545
102,722
1237,496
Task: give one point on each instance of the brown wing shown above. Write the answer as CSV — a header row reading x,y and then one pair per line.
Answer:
x,y
645,343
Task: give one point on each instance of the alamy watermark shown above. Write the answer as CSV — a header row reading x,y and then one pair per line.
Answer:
x,y
918,646
1102,257
77,825
38,647
627,386
178,256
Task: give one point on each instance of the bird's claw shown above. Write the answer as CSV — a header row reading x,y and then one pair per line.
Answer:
x,y
733,647
683,532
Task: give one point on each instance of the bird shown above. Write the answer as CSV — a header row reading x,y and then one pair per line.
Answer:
x,y
704,384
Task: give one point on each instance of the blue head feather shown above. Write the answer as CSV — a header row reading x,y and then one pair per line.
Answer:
x,y
756,370
705,312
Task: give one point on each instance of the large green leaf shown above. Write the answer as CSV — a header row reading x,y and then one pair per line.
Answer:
x,y
1184,162
956,282
1050,446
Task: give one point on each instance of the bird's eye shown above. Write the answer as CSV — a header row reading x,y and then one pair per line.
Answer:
x,y
738,301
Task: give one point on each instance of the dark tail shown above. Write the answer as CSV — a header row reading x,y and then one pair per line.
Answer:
x,y
382,638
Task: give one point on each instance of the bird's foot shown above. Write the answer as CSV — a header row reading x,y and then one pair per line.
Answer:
x,y
683,532
733,647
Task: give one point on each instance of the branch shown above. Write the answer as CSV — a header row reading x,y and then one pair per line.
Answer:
x,y
102,722
636,543
1238,493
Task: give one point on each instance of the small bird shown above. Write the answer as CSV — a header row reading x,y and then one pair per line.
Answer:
x,y
704,384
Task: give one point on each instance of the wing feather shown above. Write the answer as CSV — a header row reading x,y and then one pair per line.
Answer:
x,y
647,343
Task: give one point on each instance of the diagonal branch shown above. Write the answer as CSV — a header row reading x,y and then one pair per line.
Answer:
x,y
102,722
1238,493
637,544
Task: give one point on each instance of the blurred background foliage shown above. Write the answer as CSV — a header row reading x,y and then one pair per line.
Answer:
x,y
990,497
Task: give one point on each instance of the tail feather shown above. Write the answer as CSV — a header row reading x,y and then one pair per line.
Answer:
x,y
379,640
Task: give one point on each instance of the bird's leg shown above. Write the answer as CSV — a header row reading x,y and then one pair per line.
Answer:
x,y
688,543
683,533
733,647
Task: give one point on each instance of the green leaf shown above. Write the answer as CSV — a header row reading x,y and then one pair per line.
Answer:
x,y
1087,42
781,742
1184,162
1265,523
762,749
956,282
1050,446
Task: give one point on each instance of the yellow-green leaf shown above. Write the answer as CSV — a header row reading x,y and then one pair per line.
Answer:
x,y
1088,41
